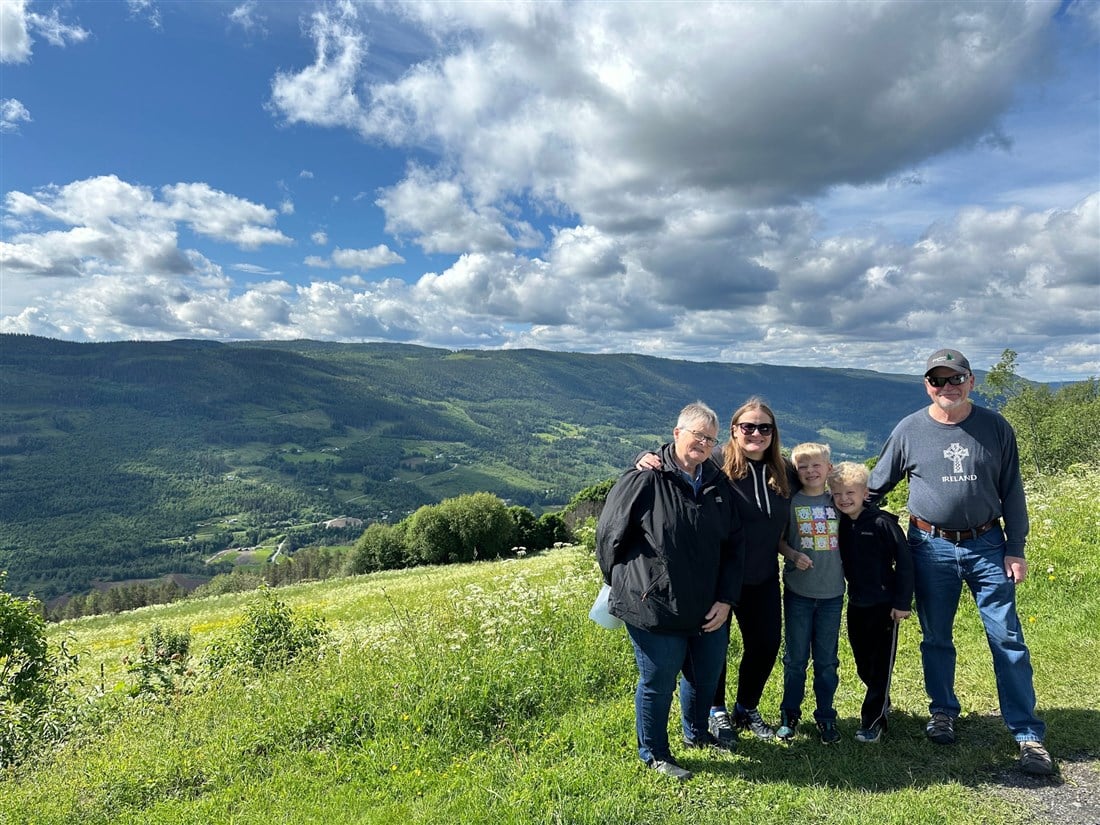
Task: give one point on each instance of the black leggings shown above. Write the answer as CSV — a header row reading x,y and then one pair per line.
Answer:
x,y
760,617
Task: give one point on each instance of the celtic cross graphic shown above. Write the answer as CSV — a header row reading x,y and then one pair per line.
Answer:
x,y
956,452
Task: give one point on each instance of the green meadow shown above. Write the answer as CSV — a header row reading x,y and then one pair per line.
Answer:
x,y
482,693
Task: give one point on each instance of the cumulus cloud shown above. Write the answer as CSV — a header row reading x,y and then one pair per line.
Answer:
x,y
319,237
12,113
18,22
111,226
358,259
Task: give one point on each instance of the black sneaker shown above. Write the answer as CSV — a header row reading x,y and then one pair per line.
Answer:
x,y
941,729
788,725
706,740
668,767
721,728
829,734
873,733
751,720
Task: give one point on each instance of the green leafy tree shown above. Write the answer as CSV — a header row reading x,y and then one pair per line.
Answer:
x,y
381,547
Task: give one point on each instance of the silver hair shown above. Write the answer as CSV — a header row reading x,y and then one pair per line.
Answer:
x,y
695,412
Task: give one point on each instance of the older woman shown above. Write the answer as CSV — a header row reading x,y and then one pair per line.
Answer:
x,y
761,480
669,545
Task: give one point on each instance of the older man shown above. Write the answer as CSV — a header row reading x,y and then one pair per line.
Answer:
x,y
669,545
964,481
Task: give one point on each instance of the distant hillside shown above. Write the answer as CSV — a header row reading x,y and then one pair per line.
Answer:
x,y
136,459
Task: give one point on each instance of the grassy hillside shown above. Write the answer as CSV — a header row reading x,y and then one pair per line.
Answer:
x,y
135,459
482,693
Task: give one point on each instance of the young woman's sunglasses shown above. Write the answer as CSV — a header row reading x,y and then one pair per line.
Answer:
x,y
953,380
748,428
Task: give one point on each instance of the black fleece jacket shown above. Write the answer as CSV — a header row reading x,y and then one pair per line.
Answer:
x,y
876,559
668,553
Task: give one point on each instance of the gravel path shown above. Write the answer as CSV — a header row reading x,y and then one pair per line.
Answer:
x,y
1071,797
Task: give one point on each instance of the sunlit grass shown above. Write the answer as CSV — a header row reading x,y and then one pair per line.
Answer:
x,y
482,693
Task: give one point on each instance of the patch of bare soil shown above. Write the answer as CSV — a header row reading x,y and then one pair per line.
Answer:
x,y
1070,797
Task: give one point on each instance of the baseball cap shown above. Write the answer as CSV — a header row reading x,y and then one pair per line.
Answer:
x,y
950,358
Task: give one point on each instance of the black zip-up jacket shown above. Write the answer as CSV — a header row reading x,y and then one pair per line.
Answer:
x,y
876,559
764,517
667,553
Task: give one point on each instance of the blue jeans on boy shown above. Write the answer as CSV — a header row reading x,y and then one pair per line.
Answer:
x,y
940,568
660,658
812,627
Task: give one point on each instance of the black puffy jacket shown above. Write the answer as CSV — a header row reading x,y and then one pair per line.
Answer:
x,y
668,553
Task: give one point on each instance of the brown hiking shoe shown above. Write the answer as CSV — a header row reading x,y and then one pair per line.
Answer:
x,y
1035,759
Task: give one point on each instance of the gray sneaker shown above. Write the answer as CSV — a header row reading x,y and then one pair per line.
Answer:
x,y
668,767
941,729
1035,759
751,720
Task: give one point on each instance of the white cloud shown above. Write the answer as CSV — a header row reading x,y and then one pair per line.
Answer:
x,y
12,112
319,237
358,259
17,23
248,19
305,173
147,10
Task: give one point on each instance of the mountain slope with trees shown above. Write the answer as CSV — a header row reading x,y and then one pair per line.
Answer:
x,y
135,459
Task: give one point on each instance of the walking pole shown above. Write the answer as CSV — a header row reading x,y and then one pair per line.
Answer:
x,y
890,671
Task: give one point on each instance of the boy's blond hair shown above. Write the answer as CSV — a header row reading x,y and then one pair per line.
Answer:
x,y
849,473
809,449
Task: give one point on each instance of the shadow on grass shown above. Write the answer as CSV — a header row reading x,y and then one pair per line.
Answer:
x,y
984,754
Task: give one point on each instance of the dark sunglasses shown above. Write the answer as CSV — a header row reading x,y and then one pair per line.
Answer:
x,y
953,380
748,428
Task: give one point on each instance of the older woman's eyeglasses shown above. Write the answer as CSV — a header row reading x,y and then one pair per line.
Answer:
x,y
698,436
953,380
748,428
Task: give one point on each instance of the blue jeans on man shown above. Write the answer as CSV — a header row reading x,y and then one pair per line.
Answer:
x,y
660,658
940,567
812,627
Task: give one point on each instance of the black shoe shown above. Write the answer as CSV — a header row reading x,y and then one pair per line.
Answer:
x,y
871,733
708,740
721,728
941,729
751,720
1035,759
669,768
829,734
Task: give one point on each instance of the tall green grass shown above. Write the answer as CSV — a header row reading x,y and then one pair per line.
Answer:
x,y
482,693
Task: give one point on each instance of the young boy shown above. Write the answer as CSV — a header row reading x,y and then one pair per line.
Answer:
x,y
813,595
879,570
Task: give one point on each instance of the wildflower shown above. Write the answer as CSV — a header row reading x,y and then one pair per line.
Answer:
x,y
1031,620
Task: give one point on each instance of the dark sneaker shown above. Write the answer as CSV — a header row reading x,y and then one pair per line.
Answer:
x,y
751,720
941,729
829,734
788,725
1035,759
721,728
707,740
668,767
871,734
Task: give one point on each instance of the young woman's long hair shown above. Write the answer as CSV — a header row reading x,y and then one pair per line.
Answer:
x,y
736,464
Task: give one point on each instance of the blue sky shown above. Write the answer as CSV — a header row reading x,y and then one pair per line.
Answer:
x,y
821,184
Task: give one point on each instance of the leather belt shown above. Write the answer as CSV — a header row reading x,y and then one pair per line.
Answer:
x,y
954,535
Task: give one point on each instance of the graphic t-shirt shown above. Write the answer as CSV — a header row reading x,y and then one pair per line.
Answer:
x,y
813,530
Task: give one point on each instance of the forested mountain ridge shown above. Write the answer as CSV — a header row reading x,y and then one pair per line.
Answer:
x,y
133,459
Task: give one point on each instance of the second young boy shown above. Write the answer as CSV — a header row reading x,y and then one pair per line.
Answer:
x,y
879,570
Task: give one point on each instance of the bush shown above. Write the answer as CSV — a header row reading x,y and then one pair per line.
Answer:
x,y
464,528
161,667
35,694
271,636
381,547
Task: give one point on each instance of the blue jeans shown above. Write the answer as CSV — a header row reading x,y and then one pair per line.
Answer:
x,y
812,627
940,568
660,657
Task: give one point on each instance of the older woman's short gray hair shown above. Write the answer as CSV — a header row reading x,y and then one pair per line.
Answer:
x,y
695,413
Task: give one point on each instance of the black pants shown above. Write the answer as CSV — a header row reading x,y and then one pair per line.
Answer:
x,y
874,641
760,617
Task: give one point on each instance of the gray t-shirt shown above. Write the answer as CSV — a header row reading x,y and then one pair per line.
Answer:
x,y
813,530
960,475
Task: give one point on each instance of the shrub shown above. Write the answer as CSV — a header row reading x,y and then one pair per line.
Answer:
x,y
464,528
161,666
271,636
35,694
381,547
